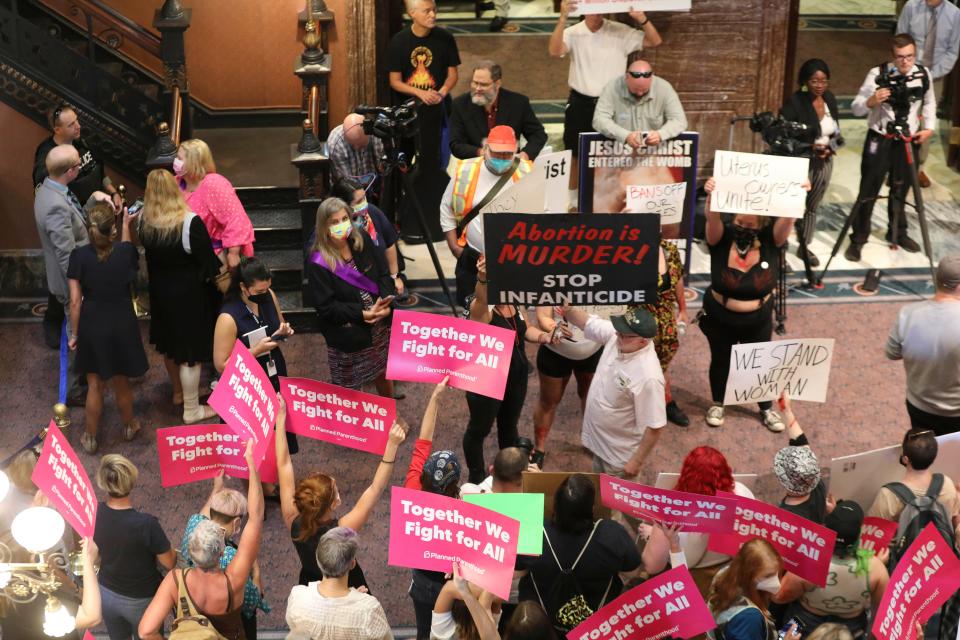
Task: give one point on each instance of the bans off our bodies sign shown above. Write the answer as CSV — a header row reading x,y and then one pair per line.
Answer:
x,y
556,259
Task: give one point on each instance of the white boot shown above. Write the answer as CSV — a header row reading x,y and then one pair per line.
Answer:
x,y
193,411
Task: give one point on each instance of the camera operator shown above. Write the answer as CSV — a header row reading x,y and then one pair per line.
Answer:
x,y
815,106
895,95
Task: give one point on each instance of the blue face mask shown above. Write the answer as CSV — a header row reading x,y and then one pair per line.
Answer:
x,y
499,166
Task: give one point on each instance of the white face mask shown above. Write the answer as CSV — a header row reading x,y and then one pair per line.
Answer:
x,y
770,584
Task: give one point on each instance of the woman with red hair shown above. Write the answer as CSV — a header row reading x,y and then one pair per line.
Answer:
x,y
706,471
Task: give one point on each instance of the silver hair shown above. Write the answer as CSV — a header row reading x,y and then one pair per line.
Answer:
x,y
206,545
337,551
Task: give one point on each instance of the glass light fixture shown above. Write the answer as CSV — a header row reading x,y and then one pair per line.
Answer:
x,y
57,621
4,485
37,529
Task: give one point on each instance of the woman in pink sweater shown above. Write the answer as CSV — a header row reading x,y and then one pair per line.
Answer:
x,y
213,198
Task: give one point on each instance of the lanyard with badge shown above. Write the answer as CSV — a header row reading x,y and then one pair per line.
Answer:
x,y
255,336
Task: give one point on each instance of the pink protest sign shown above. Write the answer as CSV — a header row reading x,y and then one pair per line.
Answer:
x,y
694,512
246,401
805,546
926,576
667,605
342,416
425,347
428,531
876,533
196,452
60,475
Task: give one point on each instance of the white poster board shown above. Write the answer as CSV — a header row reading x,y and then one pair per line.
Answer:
x,y
762,371
585,7
759,184
524,196
555,169
666,200
859,476
667,480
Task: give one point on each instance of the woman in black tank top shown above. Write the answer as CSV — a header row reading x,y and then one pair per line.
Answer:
x,y
484,410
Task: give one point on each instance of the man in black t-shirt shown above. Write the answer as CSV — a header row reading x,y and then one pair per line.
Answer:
x,y
65,126
422,60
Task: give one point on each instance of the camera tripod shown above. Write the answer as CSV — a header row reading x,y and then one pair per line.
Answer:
x,y
395,160
903,166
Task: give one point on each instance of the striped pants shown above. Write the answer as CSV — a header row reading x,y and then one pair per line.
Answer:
x,y
819,174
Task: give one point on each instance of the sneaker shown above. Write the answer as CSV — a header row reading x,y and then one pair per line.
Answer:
x,y
715,415
676,415
772,420
853,252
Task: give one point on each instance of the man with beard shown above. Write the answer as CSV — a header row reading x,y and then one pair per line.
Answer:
x,y
476,181
488,105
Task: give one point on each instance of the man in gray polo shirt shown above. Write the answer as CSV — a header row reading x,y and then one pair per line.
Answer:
x,y
639,108
926,336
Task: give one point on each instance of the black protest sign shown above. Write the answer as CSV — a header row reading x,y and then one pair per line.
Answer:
x,y
559,258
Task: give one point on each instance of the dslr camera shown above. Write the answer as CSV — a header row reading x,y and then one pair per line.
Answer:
x,y
784,137
901,96
390,123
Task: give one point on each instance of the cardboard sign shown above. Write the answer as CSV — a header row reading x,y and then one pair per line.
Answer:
x,y
664,200
666,480
245,400
555,258
694,512
759,184
805,547
429,531
668,605
876,533
585,7
765,370
60,475
425,347
926,577
555,169
345,417
196,452
547,483
859,476
526,508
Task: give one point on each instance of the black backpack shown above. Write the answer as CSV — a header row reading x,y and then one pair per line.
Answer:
x,y
918,512
565,603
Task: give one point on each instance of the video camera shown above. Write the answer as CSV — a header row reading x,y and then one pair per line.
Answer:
x,y
782,136
901,96
390,123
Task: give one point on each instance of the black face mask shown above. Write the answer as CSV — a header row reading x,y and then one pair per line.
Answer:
x,y
260,298
743,238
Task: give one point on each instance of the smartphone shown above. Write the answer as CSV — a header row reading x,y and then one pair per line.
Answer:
x,y
782,634
135,208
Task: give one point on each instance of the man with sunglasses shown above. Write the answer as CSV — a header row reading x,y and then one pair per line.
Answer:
x,y
639,108
926,336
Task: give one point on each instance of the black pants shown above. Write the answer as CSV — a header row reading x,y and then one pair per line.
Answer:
x,y
484,410
577,119
725,328
941,425
882,155
466,274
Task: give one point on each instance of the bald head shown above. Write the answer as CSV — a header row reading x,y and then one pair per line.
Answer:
x,y
61,160
353,131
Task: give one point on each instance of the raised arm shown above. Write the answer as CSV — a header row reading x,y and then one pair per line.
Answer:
x,y
288,482
357,517
249,546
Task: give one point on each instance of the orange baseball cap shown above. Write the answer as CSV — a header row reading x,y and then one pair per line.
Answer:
x,y
502,138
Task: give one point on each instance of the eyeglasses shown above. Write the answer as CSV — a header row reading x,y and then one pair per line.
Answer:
x,y
639,74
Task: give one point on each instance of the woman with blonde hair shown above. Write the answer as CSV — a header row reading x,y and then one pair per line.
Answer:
x,y
741,593
181,266
352,293
105,332
214,199
309,507
131,544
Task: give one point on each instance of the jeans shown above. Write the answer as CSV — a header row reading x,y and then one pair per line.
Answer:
x,y
121,614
